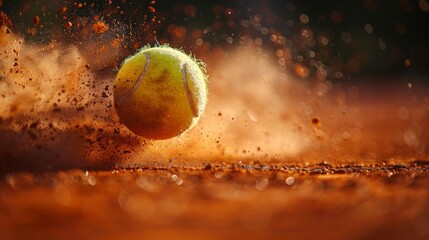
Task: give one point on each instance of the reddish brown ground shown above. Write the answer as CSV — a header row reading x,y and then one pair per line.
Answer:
x,y
219,202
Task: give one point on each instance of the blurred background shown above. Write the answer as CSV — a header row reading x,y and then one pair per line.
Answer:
x,y
334,40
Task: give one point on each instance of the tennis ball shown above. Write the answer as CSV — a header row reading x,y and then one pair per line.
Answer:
x,y
160,92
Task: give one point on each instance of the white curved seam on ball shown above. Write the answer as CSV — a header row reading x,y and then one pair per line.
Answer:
x,y
133,89
188,91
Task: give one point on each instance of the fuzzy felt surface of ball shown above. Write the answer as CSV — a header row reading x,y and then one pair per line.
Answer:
x,y
160,92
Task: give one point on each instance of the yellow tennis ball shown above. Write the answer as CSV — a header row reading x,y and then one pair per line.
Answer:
x,y
160,92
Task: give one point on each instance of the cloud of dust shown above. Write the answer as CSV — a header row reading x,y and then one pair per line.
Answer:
x,y
258,108
56,112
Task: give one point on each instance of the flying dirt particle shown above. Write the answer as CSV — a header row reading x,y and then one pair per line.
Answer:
x,y
136,45
301,71
100,27
36,20
56,108
68,25
32,31
151,9
316,121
